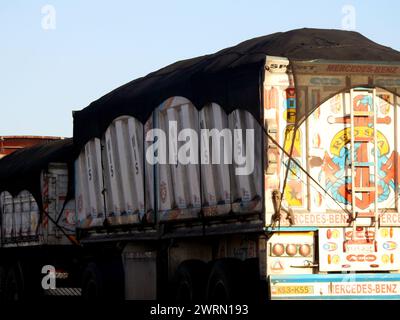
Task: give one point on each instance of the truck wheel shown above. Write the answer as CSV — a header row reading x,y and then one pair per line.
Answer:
x,y
104,280
13,285
92,283
3,274
190,281
226,281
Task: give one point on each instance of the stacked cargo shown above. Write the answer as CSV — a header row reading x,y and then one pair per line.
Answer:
x,y
7,209
43,212
248,149
123,160
59,210
216,184
89,186
187,184
171,175
117,161
20,216
178,185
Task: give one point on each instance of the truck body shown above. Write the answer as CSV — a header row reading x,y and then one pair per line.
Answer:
x,y
268,180
9,144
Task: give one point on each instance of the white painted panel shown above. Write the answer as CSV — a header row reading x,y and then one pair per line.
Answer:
x,y
51,205
178,183
177,170
89,182
124,177
189,119
82,202
113,203
95,181
125,191
34,218
17,216
208,183
215,177
165,191
222,170
65,212
136,177
62,214
247,184
25,198
7,209
149,175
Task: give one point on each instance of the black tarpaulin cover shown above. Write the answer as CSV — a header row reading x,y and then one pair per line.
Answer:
x,y
230,77
21,169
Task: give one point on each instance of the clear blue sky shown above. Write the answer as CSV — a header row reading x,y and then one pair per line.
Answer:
x,y
98,45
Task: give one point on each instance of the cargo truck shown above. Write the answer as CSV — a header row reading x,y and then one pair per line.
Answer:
x,y
304,204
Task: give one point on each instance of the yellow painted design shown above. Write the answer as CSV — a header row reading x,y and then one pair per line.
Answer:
x,y
293,194
335,259
343,137
384,233
289,132
385,259
335,234
290,115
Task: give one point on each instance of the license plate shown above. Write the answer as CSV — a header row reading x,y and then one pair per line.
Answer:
x,y
281,290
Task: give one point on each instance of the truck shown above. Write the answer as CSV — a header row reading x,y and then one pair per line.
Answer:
x,y
9,144
268,170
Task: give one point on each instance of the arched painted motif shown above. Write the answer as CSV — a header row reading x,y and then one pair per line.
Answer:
x,y
333,156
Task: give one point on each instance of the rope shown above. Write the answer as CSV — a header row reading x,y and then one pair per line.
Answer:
x,y
72,240
304,171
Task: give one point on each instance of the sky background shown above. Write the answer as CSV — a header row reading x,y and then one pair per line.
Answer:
x,y
97,46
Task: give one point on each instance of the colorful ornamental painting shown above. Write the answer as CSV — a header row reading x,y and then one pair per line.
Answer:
x,y
293,144
335,139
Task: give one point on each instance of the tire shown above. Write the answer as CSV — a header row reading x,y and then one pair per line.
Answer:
x,y
13,285
92,283
103,281
226,281
3,275
252,286
190,281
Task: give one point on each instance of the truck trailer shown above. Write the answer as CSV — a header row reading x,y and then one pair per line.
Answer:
x,y
268,170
